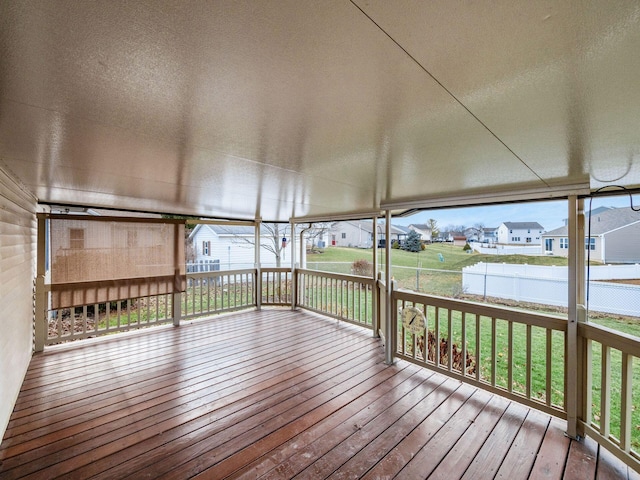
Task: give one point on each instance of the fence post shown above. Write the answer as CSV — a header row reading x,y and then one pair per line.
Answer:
x,y
40,314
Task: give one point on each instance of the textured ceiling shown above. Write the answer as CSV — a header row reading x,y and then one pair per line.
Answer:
x,y
280,109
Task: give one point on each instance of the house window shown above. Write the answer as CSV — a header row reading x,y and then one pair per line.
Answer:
x,y
206,248
76,238
548,244
528,240
590,243
564,243
344,235
529,231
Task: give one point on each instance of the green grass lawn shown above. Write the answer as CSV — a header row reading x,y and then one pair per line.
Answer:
x,y
455,258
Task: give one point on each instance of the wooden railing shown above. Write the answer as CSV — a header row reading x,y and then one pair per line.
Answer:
x,y
276,286
84,321
219,291
520,355
207,293
349,298
612,361
487,346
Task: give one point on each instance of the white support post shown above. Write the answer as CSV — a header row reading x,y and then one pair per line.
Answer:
x,y
375,320
388,320
40,314
577,314
258,265
302,260
294,280
176,301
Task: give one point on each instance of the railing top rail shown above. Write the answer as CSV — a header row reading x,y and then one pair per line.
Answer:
x,y
220,273
339,276
492,311
275,269
619,340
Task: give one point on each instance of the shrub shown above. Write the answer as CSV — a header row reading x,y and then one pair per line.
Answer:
x,y
362,267
395,244
466,247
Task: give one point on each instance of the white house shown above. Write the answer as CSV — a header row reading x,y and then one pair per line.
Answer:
x,y
359,234
520,233
423,229
614,237
489,235
221,247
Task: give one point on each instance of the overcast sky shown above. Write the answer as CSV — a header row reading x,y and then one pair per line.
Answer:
x,y
550,215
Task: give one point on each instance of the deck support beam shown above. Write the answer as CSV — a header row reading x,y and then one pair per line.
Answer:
x,y
577,314
294,280
388,320
375,291
258,286
40,315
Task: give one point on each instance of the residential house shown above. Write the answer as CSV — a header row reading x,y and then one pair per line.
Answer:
x,y
222,247
449,235
613,237
423,229
359,234
520,233
489,235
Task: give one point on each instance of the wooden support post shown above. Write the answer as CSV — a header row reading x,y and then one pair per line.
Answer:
x,y
375,303
176,303
40,314
575,367
258,266
388,317
179,260
294,277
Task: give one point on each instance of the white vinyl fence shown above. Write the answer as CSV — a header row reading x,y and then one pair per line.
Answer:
x,y
495,249
547,285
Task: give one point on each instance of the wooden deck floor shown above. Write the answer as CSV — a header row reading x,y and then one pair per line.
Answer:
x,y
272,394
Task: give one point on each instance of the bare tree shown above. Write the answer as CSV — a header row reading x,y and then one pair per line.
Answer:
x,y
274,239
433,225
314,231
274,236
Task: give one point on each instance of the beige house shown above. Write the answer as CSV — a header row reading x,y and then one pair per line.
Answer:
x,y
614,237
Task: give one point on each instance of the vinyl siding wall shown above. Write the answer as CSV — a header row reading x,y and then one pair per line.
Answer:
x,y
17,273
623,245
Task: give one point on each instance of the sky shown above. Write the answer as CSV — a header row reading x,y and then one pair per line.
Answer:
x,y
549,214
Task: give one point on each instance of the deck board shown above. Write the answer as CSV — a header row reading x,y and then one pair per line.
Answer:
x,y
272,394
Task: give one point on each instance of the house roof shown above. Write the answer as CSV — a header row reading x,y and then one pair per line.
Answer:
x,y
421,226
236,230
604,222
367,226
286,109
523,225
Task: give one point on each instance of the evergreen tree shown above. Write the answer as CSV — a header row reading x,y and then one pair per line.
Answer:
x,y
413,242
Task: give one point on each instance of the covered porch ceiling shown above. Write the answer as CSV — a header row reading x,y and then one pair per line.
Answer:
x,y
307,109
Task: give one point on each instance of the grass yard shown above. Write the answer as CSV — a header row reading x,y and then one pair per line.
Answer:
x,y
454,258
